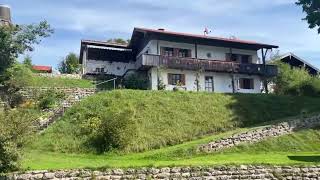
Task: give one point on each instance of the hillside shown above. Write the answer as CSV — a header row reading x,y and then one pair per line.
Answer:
x,y
300,148
131,121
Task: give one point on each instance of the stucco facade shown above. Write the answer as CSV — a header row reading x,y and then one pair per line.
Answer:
x,y
217,53
222,82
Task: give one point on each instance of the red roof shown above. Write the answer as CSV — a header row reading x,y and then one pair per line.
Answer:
x,y
42,68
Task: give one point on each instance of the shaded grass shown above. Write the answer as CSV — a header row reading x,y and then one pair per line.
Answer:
x,y
134,121
300,148
38,81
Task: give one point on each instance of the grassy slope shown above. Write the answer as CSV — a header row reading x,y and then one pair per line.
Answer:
x,y
39,81
299,148
160,118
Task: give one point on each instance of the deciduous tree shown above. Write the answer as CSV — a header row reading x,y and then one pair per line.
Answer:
x,y
312,8
69,64
16,39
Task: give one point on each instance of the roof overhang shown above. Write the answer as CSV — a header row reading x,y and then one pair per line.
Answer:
x,y
141,35
101,45
290,54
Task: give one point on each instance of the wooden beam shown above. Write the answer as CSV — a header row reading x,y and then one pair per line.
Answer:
x,y
265,83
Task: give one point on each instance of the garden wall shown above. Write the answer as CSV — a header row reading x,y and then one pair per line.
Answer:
x,y
29,92
222,172
51,75
262,133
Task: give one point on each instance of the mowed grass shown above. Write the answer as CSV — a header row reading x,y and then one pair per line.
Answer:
x,y
300,148
38,81
134,121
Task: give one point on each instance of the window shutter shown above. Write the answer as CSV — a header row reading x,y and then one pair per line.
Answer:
x,y
251,83
175,52
183,79
189,53
169,78
162,51
241,83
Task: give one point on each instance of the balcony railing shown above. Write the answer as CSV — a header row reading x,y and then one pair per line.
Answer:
x,y
147,60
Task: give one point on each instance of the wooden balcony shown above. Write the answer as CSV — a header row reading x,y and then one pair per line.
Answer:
x,y
146,61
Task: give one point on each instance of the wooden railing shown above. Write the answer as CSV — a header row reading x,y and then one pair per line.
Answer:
x,y
148,60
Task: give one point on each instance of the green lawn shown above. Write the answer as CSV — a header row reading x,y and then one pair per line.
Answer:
x,y
38,81
299,148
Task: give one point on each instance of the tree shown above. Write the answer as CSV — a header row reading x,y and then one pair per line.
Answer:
x,y
15,126
27,61
14,79
312,8
16,39
70,64
119,41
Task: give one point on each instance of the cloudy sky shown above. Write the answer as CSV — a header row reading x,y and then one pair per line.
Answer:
x,y
269,21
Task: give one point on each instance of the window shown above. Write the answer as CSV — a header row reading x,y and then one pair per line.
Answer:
x,y
232,57
246,83
165,51
245,59
208,84
184,53
99,70
174,79
177,52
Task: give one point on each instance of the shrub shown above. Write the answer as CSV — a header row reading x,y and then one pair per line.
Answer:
x,y
14,79
50,99
136,81
295,81
15,127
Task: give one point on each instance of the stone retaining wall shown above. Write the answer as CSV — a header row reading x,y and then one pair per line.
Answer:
x,y
29,92
222,172
261,134
51,75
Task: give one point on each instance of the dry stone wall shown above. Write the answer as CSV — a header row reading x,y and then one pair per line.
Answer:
x,y
68,76
30,92
195,173
261,134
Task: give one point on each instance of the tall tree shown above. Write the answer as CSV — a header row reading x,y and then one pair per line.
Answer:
x,y
16,39
69,64
27,61
312,8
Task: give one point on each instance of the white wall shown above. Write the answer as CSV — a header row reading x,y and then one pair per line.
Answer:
x,y
217,53
112,68
222,81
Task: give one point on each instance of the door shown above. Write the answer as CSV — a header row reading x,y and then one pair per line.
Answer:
x,y
209,87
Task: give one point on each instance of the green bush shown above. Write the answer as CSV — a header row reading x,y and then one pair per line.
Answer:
x,y
15,127
132,120
136,81
14,79
50,99
295,81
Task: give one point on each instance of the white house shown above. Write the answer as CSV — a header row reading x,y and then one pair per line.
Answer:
x,y
180,60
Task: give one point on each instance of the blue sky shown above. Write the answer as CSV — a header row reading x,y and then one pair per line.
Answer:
x,y
269,21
